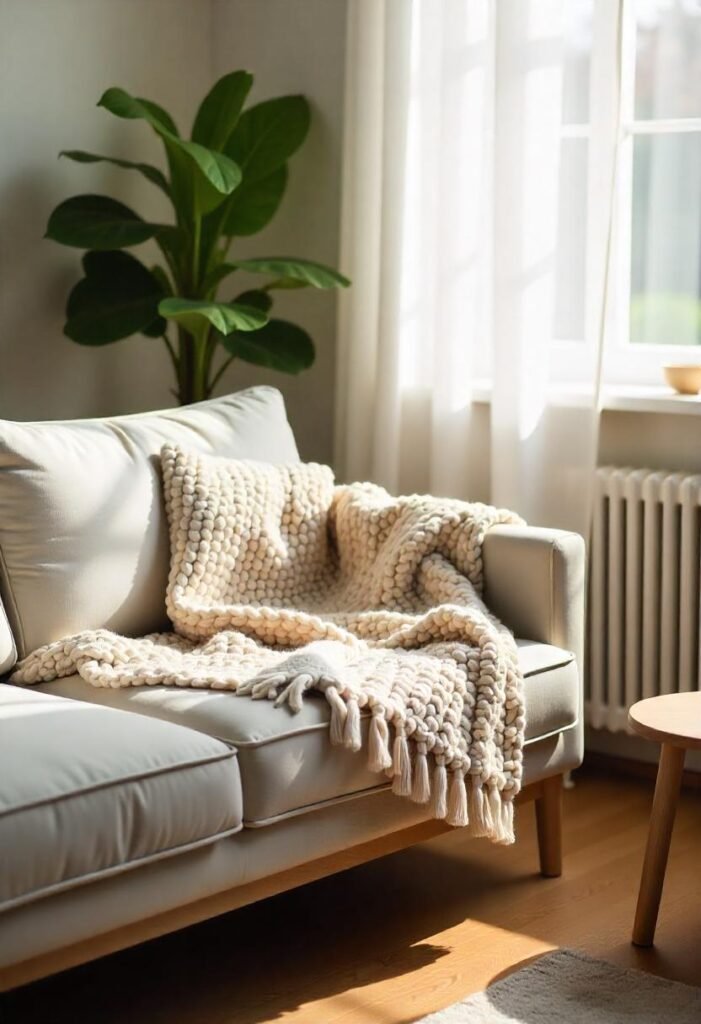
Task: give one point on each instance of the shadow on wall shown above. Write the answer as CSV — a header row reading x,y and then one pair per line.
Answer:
x,y
55,61
26,305
44,375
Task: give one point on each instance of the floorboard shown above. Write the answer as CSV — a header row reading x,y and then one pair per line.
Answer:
x,y
390,941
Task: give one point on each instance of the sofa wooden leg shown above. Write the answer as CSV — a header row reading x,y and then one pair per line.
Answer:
x,y
548,813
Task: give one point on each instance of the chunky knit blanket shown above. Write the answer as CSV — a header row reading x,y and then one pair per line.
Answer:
x,y
282,583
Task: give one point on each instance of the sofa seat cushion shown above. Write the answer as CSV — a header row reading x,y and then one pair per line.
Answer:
x,y
87,791
287,763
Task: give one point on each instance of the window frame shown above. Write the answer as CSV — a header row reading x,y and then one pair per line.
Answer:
x,y
624,361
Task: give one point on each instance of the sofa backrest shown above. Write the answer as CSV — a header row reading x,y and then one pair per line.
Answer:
x,y
83,531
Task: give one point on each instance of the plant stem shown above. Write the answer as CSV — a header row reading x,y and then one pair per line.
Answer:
x,y
196,237
200,369
171,353
186,365
225,365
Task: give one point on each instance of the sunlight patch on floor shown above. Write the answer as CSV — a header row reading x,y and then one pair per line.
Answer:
x,y
441,974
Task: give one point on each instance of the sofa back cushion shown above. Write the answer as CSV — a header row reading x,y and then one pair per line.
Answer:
x,y
83,531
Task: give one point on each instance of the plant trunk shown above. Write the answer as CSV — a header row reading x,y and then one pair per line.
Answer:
x,y
192,376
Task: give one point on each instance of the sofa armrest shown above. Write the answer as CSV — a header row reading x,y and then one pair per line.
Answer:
x,y
534,581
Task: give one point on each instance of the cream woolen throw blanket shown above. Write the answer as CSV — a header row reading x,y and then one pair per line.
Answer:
x,y
281,583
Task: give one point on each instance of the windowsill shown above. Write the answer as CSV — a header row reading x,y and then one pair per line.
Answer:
x,y
650,398
621,398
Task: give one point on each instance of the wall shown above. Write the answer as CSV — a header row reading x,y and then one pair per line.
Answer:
x,y
56,58
297,47
651,441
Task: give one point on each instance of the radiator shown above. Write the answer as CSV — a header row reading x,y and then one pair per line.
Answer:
x,y
644,585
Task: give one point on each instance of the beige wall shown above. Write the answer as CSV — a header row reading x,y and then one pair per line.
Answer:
x,y
56,58
297,46
651,441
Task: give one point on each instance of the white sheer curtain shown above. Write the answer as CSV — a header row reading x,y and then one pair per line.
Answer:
x,y
452,189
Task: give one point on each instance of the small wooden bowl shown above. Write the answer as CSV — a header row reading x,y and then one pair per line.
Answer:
x,y
686,380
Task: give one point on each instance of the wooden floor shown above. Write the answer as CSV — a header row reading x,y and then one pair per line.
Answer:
x,y
393,940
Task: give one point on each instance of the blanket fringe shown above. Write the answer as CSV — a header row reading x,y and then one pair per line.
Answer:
x,y
421,787
479,809
439,795
401,762
351,731
379,756
339,713
457,801
491,815
450,795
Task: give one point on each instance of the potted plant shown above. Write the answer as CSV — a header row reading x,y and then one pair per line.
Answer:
x,y
226,181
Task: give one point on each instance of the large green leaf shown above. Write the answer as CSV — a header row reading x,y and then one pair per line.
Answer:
x,y
155,176
268,134
200,178
120,103
254,203
221,172
193,315
158,328
279,345
256,298
162,278
307,272
117,297
98,222
220,109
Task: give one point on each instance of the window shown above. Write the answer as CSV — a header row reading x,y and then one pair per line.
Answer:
x,y
664,129
655,295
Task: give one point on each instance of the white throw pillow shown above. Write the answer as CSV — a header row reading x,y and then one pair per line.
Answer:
x,y
83,531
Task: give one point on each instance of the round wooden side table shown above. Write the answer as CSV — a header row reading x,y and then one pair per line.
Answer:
x,y
674,720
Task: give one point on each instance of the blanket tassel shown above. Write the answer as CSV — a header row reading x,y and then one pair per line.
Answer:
x,y
480,812
378,743
401,762
439,796
421,787
502,816
457,801
339,713
491,814
351,731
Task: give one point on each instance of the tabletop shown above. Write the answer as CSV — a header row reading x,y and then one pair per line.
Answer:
x,y
671,718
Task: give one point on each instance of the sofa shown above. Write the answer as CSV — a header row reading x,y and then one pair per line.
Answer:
x,y
129,813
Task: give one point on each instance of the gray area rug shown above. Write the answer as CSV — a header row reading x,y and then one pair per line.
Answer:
x,y
569,988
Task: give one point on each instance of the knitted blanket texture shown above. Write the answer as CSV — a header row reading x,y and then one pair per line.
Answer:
x,y
282,583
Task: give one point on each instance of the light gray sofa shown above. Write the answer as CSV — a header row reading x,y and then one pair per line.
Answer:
x,y
128,813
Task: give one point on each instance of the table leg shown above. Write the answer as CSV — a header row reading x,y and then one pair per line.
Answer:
x,y
664,807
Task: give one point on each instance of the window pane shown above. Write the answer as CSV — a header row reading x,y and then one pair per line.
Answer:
x,y
577,32
570,254
668,59
666,240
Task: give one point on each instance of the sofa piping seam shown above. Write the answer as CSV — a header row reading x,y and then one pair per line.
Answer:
x,y
382,787
67,884
109,783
